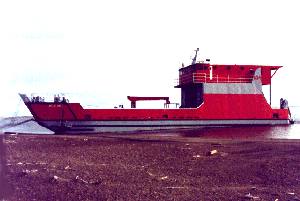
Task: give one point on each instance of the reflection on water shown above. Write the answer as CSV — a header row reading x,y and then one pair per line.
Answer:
x,y
28,127
287,132
280,132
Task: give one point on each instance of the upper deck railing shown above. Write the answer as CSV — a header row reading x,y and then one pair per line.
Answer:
x,y
35,98
207,78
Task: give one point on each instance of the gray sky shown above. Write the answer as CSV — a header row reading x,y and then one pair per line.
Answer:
x,y
99,52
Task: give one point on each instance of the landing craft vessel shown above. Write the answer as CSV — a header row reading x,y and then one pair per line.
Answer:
x,y
211,95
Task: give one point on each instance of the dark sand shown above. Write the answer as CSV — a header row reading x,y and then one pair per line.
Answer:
x,y
145,167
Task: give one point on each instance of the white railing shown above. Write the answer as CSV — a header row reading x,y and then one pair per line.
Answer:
x,y
202,77
206,78
36,98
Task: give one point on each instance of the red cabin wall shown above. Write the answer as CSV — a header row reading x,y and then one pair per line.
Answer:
x,y
237,106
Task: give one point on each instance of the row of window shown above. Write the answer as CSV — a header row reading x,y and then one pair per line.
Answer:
x,y
88,117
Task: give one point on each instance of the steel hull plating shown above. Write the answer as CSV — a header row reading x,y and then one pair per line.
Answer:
x,y
125,126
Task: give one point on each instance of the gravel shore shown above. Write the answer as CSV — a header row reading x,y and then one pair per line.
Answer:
x,y
146,167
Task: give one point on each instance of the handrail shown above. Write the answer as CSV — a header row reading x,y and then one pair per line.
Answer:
x,y
202,77
35,98
205,78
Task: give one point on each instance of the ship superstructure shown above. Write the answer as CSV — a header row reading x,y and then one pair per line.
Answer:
x,y
211,95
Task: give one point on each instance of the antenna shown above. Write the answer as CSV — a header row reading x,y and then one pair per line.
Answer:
x,y
195,58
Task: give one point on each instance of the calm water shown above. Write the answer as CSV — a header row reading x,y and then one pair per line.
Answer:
x,y
280,132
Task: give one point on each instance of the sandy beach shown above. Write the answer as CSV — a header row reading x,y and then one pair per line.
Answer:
x,y
145,167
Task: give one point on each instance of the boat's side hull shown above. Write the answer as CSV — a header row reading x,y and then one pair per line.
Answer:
x,y
90,126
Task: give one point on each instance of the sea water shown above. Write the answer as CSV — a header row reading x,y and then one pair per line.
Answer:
x,y
291,131
8,125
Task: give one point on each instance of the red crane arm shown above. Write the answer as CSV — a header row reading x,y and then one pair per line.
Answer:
x,y
136,98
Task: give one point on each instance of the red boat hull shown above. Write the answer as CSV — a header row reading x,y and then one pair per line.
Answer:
x,y
217,110
206,101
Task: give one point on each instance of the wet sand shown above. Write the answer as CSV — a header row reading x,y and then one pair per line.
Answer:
x,y
145,167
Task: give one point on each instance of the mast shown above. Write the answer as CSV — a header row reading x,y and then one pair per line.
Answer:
x,y
195,57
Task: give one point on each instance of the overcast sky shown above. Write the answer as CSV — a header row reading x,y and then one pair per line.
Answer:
x,y
99,52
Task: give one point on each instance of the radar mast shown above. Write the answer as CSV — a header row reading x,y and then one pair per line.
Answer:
x,y
195,58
